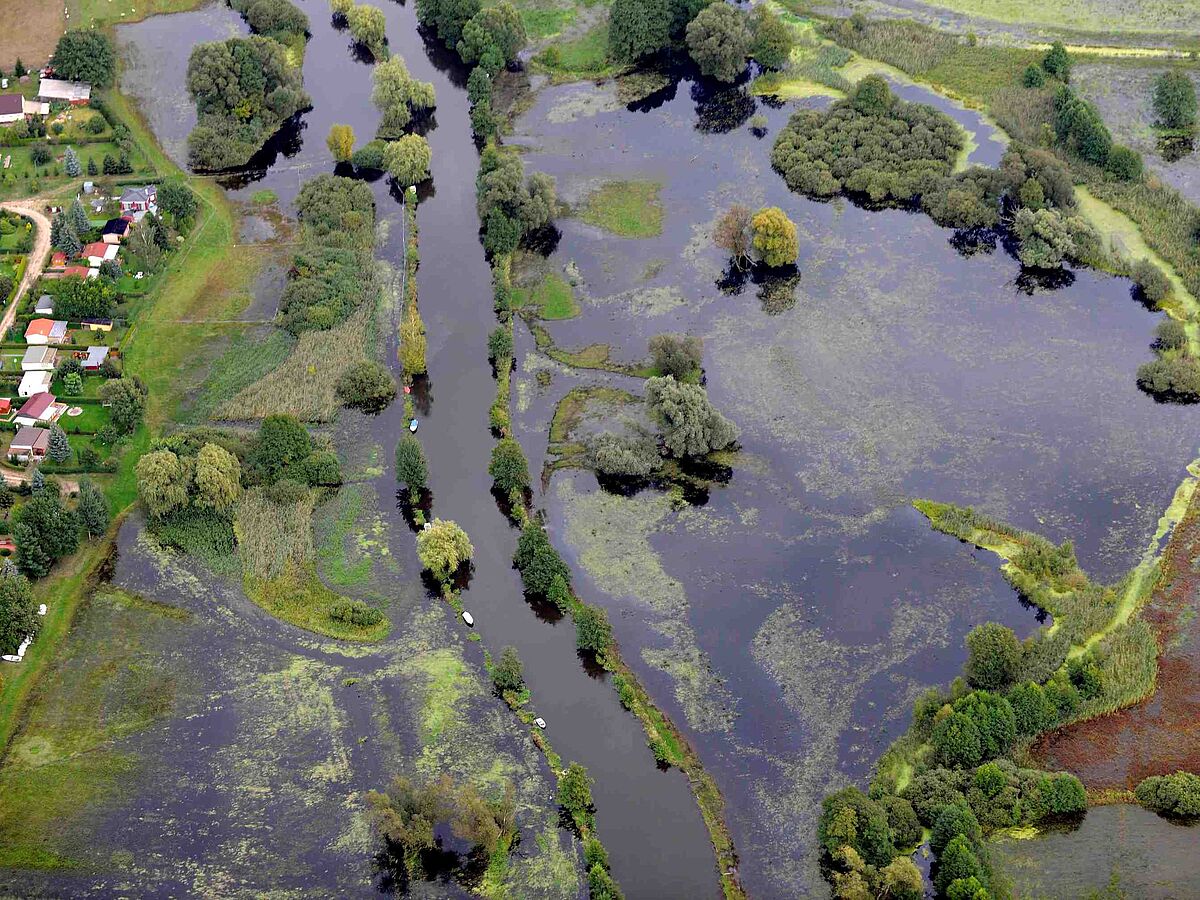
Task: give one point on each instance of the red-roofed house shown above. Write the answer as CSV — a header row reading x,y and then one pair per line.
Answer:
x,y
58,260
80,272
40,408
45,331
98,252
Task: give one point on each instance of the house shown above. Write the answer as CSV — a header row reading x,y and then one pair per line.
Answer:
x,y
39,358
40,408
115,230
80,272
30,443
95,358
44,305
15,108
97,324
99,252
45,331
35,382
139,199
5,406
58,260
74,92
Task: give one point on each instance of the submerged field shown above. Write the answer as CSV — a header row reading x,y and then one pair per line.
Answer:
x,y
793,615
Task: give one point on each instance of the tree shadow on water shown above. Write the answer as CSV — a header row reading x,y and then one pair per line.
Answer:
x,y
721,108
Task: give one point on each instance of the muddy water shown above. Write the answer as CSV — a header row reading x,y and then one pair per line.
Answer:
x,y
793,617
647,818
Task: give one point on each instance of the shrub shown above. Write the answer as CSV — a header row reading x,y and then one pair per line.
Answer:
x,y
934,790
1033,77
447,17
638,28
623,456
407,159
355,612
1171,334
320,469
497,28
1173,795
994,656
1124,163
1150,278
411,469
718,40
287,492
592,629
677,355
366,385
443,548
44,532
340,142
369,27
500,344
506,674
1171,379
773,39
1057,62
1064,794
993,717
774,237
957,861
575,792
508,467
902,820
691,425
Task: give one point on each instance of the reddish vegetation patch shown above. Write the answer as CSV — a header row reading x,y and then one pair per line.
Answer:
x,y
1162,734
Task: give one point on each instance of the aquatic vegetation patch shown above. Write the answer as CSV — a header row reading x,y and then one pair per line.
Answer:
x,y
354,541
612,536
582,102
645,301
248,357
631,209
551,298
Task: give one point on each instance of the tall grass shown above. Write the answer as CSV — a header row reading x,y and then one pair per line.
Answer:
x,y
909,46
271,536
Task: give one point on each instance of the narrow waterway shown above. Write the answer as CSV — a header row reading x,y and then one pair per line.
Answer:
x,y
647,818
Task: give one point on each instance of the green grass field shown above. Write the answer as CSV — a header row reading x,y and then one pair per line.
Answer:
x,y
625,208
552,298
1119,16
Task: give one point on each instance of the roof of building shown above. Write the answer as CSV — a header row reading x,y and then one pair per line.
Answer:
x,y
78,271
139,194
95,320
31,436
35,407
58,258
53,89
36,378
96,356
40,326
45,302
119,225
39,353
100,249
11,104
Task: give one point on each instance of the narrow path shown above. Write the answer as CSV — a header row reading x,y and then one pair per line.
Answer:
x,y
32,209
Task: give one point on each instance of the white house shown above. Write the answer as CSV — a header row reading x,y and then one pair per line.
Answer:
x,y
98,252
39,359
136,200
45,331
44,305
74,92
15,108
35,382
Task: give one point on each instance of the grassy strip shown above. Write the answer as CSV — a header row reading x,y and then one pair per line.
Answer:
x,y
631,209
593,356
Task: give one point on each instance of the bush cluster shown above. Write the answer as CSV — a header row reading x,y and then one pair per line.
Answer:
x,y
1173,795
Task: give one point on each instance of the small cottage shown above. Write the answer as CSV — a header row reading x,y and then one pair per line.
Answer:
x,y
40,409
44,305
30,443
97,324
139,200
46,331
115,230
99,252
74,92
34,382
95,358
39,358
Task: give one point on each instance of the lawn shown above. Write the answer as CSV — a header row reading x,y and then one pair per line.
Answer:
x,y
552,298
92,419
22,177
583,57
73,120
625,208
110,12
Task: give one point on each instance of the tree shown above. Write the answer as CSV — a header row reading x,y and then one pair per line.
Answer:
x,y
732,233
407,159
1057,62
82,298
69,242
397,95
369,27
994,656
1155,287
954,821
851,819
538,561
60,447
772,39
575,792
92,509
593,632
218,478
482,820
412,342
638,28
85,56
44,531
366,385
967,889
623,456
718,40
340,142
126,400
40,155
443,548
71,163
957,860
282,442
406,814
447,17
162,483
873,96
340,8
1033,711
411,470
78,218
775,241
1046,237
902,880
1175,100
902,820
18,612
677,355
993,719
1033,77
497,27
506,674
176,198
500,345
92,169
508,467
7,500
956,741
692,427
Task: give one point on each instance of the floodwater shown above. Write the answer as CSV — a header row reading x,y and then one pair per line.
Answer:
x,y
791,619
647,818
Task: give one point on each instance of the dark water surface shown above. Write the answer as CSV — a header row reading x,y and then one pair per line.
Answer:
x,y
647,818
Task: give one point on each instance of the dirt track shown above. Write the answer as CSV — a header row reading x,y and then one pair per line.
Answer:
x,y
37,256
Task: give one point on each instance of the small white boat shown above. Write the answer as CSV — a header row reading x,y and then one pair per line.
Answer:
x,y
42,610
10,657
468,618
539,722
412,425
